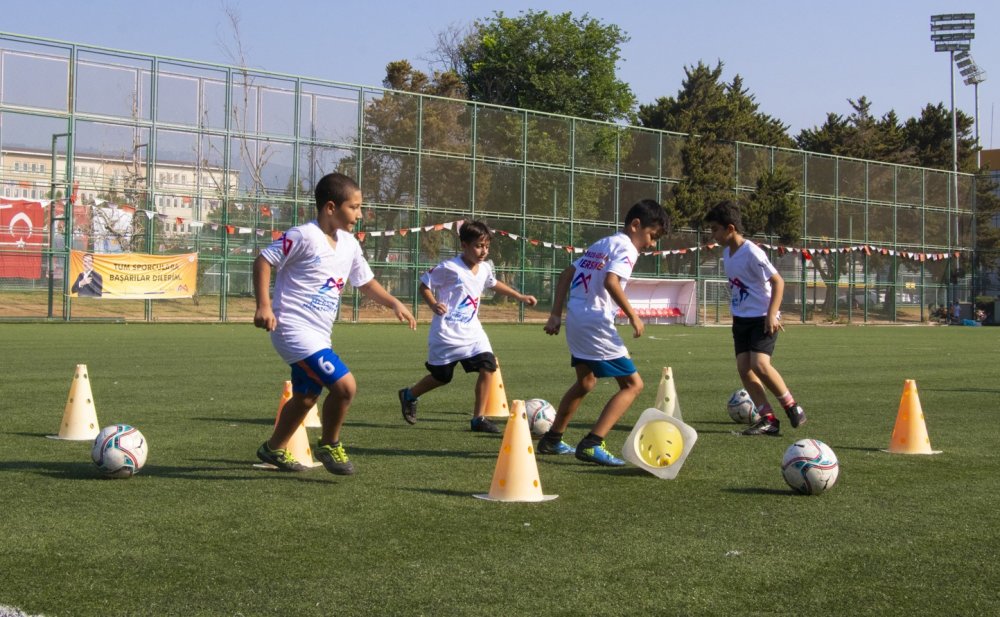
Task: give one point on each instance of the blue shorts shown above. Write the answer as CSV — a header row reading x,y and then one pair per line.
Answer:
x,y
323,368
619,367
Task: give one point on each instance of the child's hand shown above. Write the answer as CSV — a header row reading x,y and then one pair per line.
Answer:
x,y
637,327
552,325
440,308
772,324
264,318
529,300
404,314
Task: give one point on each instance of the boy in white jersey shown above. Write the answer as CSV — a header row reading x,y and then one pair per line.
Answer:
x,y
756,289
452,289
313,262
595,284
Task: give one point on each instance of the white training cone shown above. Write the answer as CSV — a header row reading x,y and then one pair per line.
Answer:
x,y
312,418
298,445
515,477
666,395
659,444
79,421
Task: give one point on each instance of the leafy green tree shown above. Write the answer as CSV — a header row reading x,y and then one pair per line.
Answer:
x,y
774,208
553,63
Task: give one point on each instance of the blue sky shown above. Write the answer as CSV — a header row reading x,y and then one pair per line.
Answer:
x,y
800,58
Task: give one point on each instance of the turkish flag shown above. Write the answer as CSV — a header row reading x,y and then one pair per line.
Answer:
x,y
22,233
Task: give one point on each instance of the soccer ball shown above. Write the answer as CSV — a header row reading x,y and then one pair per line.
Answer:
x,y
810,466
741,408
540,415
119,451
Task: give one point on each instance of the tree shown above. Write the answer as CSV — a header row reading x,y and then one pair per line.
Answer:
x,y
551,63
774,208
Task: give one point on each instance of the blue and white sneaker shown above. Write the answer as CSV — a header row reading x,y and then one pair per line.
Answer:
x,y
598,454
560,447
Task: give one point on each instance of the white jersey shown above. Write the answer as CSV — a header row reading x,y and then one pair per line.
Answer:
x,y
310,277
590,311
458,334
748,271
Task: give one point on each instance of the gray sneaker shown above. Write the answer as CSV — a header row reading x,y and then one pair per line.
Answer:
x,y
408,407
282,459
334,458
482,424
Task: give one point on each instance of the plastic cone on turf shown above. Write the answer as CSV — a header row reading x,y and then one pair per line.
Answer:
x,y
659,443
496,398
312,418
909,435
515,477
298,445
666,395
79,421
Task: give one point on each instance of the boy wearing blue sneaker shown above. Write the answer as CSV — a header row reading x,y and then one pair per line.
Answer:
x,y
314,261
593,289
452,289
756,290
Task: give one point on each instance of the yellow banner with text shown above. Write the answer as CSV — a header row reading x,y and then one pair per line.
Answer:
x,y
132,276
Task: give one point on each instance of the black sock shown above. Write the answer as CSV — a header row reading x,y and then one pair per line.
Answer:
x,y
591,440
552,437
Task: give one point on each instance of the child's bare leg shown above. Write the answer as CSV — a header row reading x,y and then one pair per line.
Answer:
x,y
335,408
760,364
585,383
482,392
629,388
751,382
425,385
290,418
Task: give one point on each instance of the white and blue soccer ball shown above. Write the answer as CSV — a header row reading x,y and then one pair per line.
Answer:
x,y
119,451
810,466
541,415
741,408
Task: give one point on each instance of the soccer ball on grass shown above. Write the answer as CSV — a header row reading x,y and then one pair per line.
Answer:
x,y
540,415
810,466
119,451
741,408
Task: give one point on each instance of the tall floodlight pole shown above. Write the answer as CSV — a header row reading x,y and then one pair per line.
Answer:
x,y
953,32
973,76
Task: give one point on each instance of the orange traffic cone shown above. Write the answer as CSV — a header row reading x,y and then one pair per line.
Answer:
x,y
79,421
496,398
516,475
909,435
666,395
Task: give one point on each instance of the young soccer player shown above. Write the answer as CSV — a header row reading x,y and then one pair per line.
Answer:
x,y
756,289
452,289
313,263
595,285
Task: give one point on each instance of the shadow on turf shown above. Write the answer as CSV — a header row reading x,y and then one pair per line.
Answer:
x,y
87,471
760,491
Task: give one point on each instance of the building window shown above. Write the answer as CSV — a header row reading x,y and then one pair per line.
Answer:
x,y
17,166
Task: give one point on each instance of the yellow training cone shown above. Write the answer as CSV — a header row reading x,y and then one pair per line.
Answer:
x,y
909,435
312,418
666,395
516,475
79,421
298,445
496,397
659,444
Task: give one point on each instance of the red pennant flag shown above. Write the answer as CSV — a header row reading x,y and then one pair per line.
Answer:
x,y
923,257
439,227
186,200
361,236
265,211
569,249
275,234
534,242
179,220
129,209
781,251
230,229
74,196
403,232
867,249
806,254
956,254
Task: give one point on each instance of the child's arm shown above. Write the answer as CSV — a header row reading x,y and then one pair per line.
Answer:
x,y
263,317
374,290
507,290
772,323
614,288
439,308
562,288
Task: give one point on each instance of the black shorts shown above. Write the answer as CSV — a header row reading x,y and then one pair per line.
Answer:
x,y
444,372
748,335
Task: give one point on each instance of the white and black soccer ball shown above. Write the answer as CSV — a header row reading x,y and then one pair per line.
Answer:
x,y
119,451
541,415
810,466
741,408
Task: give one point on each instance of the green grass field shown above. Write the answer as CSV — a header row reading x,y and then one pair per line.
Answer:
x,y
200,531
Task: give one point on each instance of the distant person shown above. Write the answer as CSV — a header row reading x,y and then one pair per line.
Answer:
x,y
453,290
956,312
89,283
314,261
592,289
756,290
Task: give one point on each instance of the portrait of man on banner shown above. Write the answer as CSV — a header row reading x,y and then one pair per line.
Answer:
x,y
88,283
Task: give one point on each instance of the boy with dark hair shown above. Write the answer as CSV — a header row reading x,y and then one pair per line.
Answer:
x,y
756,290
452,289
314,261
595,286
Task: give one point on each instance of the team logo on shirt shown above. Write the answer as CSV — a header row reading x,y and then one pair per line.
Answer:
x,y
465,311
323,301
332,283
742,294
581,279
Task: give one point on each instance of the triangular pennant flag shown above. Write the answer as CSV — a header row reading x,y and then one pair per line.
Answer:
x,y
403,232
230,229
275,234
361,236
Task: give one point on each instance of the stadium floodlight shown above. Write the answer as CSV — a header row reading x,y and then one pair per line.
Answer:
x,y
953,32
